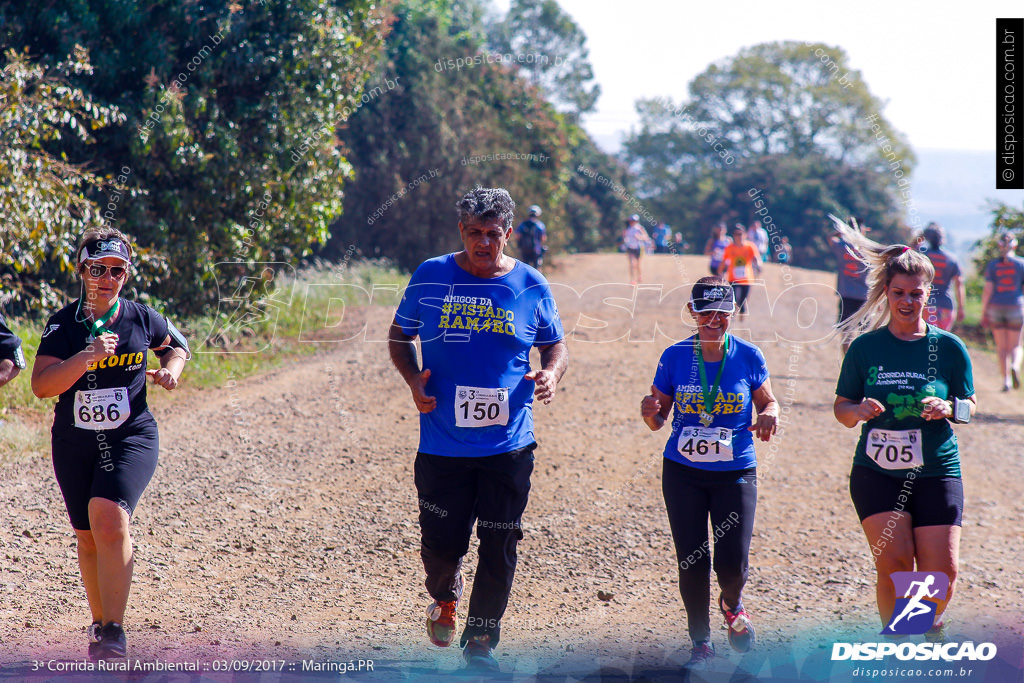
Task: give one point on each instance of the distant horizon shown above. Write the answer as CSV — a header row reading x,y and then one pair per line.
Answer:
x,y
600,138
951,190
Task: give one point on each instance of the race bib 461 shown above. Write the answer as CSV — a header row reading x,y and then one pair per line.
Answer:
x,y
705,444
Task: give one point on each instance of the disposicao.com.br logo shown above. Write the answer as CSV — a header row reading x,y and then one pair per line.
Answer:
x,y
918,596
915,612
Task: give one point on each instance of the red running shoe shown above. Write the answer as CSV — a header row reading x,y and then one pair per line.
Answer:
x,y
741,629
441,622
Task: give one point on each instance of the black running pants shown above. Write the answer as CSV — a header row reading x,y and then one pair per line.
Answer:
x,y
728,499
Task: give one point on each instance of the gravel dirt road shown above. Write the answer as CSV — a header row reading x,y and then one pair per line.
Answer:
x,y
281,523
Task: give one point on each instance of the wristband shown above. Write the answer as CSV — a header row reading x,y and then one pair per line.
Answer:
x,y
961,411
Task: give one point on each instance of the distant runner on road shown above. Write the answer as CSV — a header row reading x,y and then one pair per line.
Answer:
x,y
948,276
533,237
1002,309
851,281
477,313
741,263
715,247
104,439
635,241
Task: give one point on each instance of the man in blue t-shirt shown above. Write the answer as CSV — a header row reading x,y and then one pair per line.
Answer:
x,y
661,236
477,313
533,237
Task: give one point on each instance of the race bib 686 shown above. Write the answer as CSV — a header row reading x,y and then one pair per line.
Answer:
x,y
101,408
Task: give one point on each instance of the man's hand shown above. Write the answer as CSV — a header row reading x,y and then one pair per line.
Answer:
x,y
546,383
418,386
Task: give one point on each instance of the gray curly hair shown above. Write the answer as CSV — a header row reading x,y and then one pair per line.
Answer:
x,y
486,203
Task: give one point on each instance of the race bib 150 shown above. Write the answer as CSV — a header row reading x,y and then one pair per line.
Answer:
x,y
481,407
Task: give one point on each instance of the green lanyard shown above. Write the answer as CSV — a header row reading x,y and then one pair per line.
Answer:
x,y
708,397
96,327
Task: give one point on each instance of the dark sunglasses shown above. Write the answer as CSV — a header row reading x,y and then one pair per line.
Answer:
x,y
708,314
98,269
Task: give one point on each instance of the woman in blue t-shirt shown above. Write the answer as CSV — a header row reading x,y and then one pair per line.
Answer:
x,y
715,382
92,354
715,248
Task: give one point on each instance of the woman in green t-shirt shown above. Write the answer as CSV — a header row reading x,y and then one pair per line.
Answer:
x,y
906,381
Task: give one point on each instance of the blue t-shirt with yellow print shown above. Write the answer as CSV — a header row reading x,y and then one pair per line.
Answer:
x,y
678,376
476,335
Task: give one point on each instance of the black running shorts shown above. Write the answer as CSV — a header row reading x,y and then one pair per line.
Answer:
x,y
930,501
740,293
114,466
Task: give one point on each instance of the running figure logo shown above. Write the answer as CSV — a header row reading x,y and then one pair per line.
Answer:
x,y
917,599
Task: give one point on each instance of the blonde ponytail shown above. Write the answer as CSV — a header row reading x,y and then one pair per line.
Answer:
x,y
883,263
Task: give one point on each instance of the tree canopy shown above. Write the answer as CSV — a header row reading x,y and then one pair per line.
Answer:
x,y
229,118
222,133
551,50
43,197
454,120
789,119
280,131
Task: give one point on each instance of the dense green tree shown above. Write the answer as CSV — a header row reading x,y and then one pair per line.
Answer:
x,y
789,119
1005,219
550,49
793,98
597,206
453,121
231,112
43,202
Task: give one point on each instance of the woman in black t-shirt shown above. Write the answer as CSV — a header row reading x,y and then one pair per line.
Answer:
x,y
92,355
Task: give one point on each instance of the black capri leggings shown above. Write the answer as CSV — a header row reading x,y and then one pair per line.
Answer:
x,y
86,468
729,499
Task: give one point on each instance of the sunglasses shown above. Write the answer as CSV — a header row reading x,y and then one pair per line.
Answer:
x,y
98,269
708,314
